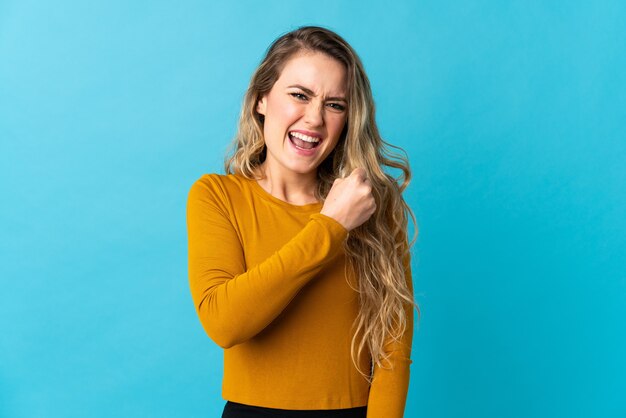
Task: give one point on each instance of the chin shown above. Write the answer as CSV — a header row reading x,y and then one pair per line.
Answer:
x,y
304,170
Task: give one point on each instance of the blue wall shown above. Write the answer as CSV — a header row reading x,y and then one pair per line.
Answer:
x,y
513,115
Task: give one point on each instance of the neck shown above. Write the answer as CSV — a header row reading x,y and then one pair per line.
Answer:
x,y
294,188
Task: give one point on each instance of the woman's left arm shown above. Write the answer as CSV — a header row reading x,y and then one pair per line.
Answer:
x,y
388,391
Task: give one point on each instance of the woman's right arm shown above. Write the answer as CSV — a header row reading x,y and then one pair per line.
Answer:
x,y
235,304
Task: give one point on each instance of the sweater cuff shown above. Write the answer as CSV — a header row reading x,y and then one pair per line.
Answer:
x,y
338,233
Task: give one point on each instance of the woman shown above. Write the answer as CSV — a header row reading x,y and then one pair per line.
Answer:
x,y
298,257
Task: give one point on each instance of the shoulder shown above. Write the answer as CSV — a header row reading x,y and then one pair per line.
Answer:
x,y
220,187
214,181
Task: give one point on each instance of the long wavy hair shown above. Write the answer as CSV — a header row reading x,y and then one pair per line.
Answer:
x,y
384,294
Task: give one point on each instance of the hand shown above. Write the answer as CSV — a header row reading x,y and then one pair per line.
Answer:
x,y
350,201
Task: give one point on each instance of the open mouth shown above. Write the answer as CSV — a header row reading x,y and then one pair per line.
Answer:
x,y
303,141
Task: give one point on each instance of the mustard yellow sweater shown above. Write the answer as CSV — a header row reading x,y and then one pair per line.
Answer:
x,y
268,282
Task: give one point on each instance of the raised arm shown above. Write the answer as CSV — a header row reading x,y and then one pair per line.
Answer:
x,y
234,303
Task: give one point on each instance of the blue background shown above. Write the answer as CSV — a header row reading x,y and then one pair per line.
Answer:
x,y
513,115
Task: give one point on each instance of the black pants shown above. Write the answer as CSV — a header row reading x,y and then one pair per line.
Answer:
x,y
238,410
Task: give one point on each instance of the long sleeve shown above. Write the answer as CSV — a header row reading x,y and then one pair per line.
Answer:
x,y
234,302
388,392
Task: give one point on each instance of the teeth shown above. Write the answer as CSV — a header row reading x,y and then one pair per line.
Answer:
x,y
304,137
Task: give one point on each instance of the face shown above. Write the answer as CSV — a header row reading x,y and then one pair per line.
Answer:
x,y
305,113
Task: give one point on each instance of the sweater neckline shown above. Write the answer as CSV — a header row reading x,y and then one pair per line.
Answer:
x,y
260,191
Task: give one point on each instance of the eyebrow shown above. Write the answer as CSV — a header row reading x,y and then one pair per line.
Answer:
x,y
311,93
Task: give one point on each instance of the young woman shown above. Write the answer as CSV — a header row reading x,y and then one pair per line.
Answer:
x,y
299,260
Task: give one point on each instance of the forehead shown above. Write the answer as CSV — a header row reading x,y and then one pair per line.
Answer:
x,y
316,71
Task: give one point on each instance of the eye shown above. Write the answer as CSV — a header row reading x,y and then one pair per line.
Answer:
x,y
337,106
298,96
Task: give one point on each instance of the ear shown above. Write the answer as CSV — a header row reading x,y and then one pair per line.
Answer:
x,y
261,105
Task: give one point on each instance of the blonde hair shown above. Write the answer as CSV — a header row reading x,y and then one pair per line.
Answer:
x,y
384,293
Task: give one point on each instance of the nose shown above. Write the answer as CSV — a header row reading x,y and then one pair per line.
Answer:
x,y
314,114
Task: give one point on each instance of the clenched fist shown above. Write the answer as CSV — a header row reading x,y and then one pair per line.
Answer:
x,y
350,201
